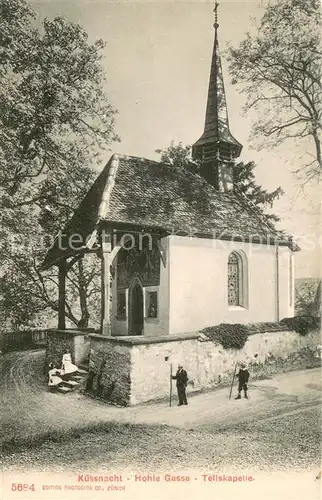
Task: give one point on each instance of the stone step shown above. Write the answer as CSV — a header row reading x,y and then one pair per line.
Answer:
x,y
81,371
63,389
84,365
70,383
78,378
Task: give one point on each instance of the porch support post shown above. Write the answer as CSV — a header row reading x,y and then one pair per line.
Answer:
x,y
62,294
106,261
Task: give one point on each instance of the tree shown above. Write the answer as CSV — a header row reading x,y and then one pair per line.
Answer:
x,y
308,296
279,71
54,111
29,297
245,184
55,121
179,157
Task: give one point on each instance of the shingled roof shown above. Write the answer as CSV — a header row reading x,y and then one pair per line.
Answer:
x,y
149,194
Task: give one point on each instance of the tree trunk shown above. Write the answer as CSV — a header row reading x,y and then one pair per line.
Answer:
x,y
62,294
318,147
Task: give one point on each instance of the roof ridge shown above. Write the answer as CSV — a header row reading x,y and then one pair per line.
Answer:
x,y
128,157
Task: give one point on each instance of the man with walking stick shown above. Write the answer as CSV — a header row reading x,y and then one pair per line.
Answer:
x,y
182,379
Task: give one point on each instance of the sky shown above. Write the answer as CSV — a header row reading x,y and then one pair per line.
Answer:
x,y
157,62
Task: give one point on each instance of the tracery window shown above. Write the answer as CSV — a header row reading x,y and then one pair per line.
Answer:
x,y
238,279
234,279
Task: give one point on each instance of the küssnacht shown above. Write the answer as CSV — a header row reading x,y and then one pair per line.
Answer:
x,y
87,478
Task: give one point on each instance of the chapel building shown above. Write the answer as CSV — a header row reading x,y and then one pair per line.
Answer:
x,y
180,251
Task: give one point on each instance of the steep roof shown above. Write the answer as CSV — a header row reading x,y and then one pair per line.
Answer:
x,y
216,121
150,194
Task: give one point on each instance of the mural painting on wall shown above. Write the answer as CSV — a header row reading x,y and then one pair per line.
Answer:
x,y
142,263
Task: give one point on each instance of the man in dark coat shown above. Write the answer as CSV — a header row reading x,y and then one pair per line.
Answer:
x,y
243,377
182,379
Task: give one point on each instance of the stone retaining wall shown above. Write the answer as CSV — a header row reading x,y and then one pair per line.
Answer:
x,y
60,341
133,370
110,369
209,365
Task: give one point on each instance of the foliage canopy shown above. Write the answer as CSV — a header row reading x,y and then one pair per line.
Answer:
x,y
279,70
55,122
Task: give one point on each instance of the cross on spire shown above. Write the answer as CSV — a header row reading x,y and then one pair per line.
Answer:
x,y
216,25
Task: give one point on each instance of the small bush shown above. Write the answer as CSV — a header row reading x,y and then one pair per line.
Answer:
x,y
228,335
302,324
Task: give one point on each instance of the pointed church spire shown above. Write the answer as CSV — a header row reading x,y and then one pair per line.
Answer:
x,y
217,146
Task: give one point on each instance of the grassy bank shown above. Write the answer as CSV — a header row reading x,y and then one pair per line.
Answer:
x,y
259,446
18,442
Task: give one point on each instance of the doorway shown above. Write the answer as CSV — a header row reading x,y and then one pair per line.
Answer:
x,y
136,319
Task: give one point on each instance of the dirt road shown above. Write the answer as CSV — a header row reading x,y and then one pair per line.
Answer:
x,y
276,429
27,406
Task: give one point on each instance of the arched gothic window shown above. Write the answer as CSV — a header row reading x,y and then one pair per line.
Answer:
x,y
237,280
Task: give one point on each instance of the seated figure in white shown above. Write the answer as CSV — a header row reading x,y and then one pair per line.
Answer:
x,y
68,368
53,376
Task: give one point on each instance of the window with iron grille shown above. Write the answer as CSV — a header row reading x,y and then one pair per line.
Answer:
x,y
151,304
